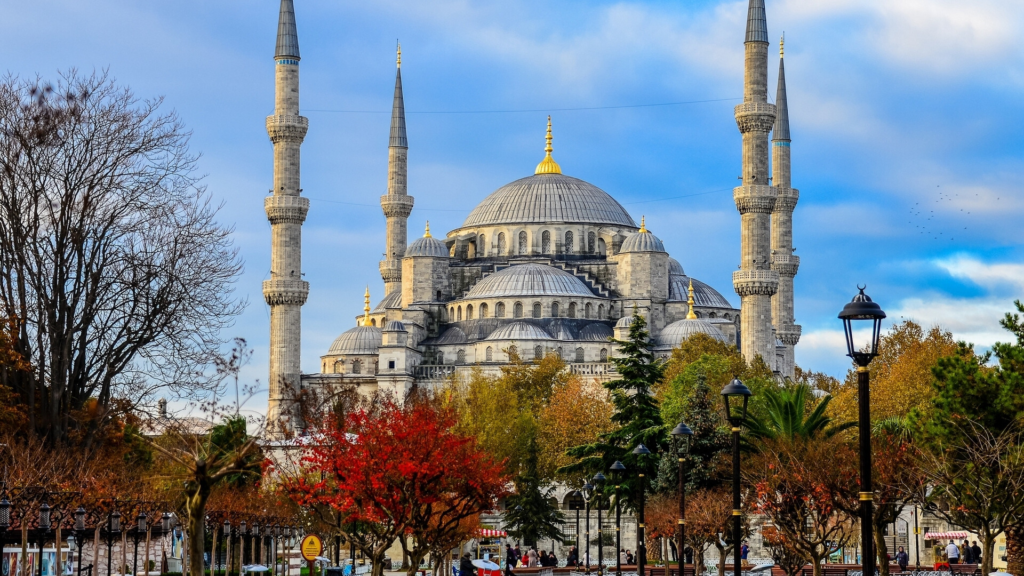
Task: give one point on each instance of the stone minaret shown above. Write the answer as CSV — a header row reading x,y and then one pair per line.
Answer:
x,y
783,260
755,281
285,291
397,203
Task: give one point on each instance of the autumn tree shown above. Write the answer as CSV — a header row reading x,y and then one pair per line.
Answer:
x,y
897,477
708,519
577,413
111,257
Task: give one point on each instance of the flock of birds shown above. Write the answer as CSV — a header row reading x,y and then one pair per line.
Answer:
x,y
923,216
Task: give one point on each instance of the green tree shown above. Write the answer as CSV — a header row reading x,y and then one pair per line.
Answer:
x,y
709,442
786,415
529,514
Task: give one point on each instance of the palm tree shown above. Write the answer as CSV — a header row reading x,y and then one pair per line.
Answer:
x,y
787,417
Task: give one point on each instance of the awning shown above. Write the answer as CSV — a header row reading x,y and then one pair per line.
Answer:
x,y
946,535
488,533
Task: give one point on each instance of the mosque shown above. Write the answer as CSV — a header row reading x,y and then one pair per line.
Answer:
x,y
547,264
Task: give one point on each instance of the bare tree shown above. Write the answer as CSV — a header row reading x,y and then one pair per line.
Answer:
x,y
111,257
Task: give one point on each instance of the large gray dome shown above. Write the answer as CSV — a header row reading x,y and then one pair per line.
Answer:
x,y
529,280
358,340
545,198
703,295
519,331
427,246
675,333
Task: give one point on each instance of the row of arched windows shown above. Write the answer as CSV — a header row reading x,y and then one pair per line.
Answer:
x,y
588,310
522,247
538,354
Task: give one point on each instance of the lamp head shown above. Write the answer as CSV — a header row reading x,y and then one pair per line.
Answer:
x,y
115,522
72,543
165,522
241,528
867,313
641,450
142,520
5,513
682,434
588,490
44,516
227,528
80,519
736,394
599,479
617,469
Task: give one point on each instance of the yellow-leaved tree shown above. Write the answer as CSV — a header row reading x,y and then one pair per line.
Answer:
x,y
577,412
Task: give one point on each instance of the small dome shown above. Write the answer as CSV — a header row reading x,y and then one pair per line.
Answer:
x,y
429,247
394,326
358,340
675,268
704,296
529,280
642,241
393,300
596,332
675,333
453,335
562,329
519,331
624,322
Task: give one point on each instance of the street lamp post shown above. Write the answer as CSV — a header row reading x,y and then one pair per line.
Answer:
x,y
140,528
640,452
599,481
682,435
588,493
617,469
242,533
862,309
113,529
736,394
5,520
574,501
226,531
44,528
80,535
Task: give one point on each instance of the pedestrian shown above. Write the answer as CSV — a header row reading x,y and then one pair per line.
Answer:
x,y
903,559
532,561
510,559
552,559
622,556
976,552
965,553
573,559
629,558
952,553
518,553
466,567
744,550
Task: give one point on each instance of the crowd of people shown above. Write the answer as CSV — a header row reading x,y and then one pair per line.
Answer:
x,y
964,553
515,557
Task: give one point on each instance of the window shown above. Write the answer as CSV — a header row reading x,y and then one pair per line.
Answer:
x,y
587,310
554,309
600,311
559,351
482,245
712,315
568,243
512,351
499,310
517,310
391,364
501,244
451,314
604,354
522,242
545,242
728,317
538,353
601,247
438,295
460,357
460,313
579,354
469,312
572,310
357,367
489,354
440,357
536,310
591,238
483,310
373,321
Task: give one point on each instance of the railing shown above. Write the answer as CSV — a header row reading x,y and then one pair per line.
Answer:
x,y
592,368
434,371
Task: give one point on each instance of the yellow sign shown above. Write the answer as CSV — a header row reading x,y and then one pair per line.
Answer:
x,y
311,547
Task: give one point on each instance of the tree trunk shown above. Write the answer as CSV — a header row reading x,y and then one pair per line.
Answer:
x,y
1014,549
989,543
721,560
196,506
815,565
882,553
56,544
96,551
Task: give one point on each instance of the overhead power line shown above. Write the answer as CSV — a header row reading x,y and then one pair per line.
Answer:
x,y
577,109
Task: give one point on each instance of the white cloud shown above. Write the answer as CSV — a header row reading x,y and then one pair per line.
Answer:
x,y
1006,278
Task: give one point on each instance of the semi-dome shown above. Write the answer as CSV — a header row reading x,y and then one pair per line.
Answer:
x,y
596,332
427,246
624,322
675,333
544,198
358,340
703,295
529,280
394,326
519,331
393,300
675,268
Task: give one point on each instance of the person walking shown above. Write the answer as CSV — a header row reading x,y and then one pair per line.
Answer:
x,y
466,567
965,553
903,559
952,553
510,559
518,553
976,552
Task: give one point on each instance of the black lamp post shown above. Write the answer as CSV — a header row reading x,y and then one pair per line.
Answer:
x,y
736,394
44,528
599,480
617,469
862,309
640,452
80,535
5,520
242,533
140,529
226,531
588,493
682,435
574,504
113,529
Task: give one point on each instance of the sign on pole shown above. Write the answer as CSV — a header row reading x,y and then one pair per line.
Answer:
x,y
311,547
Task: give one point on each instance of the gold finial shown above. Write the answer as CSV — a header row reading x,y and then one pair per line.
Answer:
x,y
427,233
366,307
399,54
691,315
548,164
782,46
643,224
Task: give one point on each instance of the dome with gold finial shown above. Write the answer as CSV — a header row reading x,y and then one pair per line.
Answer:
x,y
363,339
549,196
427,247
642,241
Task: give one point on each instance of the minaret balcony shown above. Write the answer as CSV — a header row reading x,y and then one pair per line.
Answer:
x,y
786,199
755,117
755,282
285,291
287,128
785,265
788,334
396,205
758,198
281,209
391,271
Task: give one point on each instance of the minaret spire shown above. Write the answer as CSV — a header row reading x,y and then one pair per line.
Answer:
x,y
397,204
548,164
285,292
755,281
783,260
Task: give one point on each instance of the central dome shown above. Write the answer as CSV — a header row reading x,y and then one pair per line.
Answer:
x,y
543,198
529,280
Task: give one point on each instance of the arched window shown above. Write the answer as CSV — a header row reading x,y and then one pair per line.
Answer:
x,y
522,242
460,313
699,315
728,316
357,367
712,315
373,321
501,244
440,357
568,243
460,357
517,310
513,351
469,312
483,310
604,354
538,352
451,314
554,309
601,249
560,352
579,354
591,239
482,245
499,310
545,242
536,310
572,310
438,295
489,354
587,310
600,311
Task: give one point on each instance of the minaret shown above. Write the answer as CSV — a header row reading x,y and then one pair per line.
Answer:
x,y
285,291
397,204
755,281
783,260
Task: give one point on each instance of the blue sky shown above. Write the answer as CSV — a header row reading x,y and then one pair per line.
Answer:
x,y
906,118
